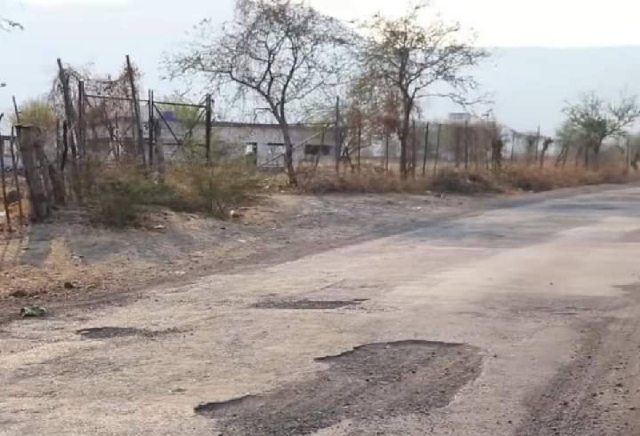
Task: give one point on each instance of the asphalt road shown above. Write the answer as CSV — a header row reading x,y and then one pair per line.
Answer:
x,y
518,320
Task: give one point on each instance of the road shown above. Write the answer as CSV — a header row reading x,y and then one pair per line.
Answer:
x,y
521,319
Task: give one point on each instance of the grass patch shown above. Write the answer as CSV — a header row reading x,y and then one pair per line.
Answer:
x,y
119,195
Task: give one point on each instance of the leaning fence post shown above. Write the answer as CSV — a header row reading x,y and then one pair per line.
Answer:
x,y
136,112
27,139
15,175
4,183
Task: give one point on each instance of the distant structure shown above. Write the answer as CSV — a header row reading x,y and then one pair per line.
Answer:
x,y
460,117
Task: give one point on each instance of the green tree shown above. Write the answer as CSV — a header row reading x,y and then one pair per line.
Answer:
x,y
595,120
37,112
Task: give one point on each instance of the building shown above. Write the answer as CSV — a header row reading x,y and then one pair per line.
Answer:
x,y
263,142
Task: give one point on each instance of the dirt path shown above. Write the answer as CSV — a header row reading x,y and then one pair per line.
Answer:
x,y
508,321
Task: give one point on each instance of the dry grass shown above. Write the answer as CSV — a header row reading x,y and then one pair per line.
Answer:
x,y
118,195
535,179
468,182
367,180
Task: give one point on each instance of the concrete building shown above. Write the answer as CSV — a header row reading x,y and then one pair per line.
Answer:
x,y
264,142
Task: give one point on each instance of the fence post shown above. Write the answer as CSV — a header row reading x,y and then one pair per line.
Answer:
x,y
359,141
82,131
426,151
68,109
5,201
466,145
208,126
338,147
136,111
14,162
151,126
435,164
414,150
27,140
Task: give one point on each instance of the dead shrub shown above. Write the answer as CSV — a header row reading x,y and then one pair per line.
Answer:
x,y
527,179
119,194
464,182
366,180
545,179
213,189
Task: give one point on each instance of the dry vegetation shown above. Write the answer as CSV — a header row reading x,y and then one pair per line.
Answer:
x,y
119,195
516,177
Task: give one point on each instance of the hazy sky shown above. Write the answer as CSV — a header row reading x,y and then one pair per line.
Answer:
x,y
101,32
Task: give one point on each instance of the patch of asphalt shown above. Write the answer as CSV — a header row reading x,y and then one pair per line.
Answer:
x,y
306,304
374,381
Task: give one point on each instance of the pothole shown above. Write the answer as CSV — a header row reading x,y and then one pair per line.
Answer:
x,y
307,304
112,332
375,381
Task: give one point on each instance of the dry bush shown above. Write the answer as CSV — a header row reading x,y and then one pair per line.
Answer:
x,y
464,182
212,189
538,180
119,194
366,180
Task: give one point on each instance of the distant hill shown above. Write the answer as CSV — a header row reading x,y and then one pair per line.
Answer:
x,y
531,85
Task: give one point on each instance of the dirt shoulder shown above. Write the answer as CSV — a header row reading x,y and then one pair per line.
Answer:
x,y
67,261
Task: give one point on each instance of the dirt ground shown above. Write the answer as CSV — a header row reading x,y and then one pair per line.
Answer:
x,y
69,261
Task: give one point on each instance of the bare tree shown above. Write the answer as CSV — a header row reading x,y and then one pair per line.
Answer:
x,y
412,58
598,120
7,24
279,51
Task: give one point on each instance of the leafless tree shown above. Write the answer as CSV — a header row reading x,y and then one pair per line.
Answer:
x,y
7,24
597,120
280,51
404,55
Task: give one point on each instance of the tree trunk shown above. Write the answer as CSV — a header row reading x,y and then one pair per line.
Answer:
x,y
404,140
288,153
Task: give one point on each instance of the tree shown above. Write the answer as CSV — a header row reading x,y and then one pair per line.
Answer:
x,y
404,55
596,120
279,51
37,112
7,24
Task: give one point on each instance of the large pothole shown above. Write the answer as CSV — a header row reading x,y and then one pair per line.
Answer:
x,y
375,381
307,304
112,332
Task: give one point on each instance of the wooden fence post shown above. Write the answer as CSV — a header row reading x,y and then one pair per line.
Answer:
x,y
69,114
338,148
136,112
5,200
208,126
466,145
426,150
14,164
27,139
435,164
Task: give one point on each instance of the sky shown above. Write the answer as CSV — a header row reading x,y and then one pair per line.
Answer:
x,y
98,33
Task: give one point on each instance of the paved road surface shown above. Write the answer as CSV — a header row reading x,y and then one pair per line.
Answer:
x,y
520,320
